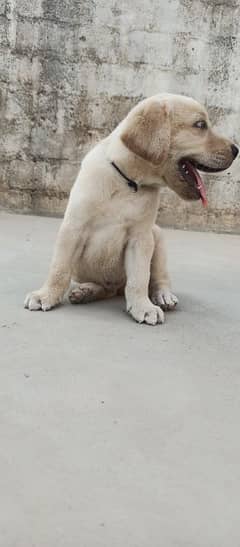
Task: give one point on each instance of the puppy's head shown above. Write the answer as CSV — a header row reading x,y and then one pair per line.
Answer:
x,y
173,133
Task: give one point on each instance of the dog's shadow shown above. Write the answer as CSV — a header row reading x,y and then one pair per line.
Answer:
x,y
115,307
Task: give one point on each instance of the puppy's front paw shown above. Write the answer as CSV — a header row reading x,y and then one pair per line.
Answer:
x,y
146,312
41,300
165,299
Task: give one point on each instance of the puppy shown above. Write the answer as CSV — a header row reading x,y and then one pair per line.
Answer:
x,y
109,241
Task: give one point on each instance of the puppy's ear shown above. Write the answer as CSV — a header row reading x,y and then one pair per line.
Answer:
x,y
147,132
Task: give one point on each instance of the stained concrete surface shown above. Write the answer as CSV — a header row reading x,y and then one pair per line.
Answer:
x,y
113,433
70,70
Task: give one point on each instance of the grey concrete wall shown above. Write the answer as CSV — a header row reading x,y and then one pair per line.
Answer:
x,y
71,69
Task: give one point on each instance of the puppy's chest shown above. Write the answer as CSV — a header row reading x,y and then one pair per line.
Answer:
x,y
129,208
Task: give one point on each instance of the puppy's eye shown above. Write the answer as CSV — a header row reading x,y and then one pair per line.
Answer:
x,y
200,124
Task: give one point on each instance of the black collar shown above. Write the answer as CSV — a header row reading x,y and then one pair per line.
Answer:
x,y
131,183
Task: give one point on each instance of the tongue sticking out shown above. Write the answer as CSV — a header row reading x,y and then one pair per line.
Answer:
x,y
201,187
199,182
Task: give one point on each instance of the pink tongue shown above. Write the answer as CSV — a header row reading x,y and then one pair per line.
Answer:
x,y
202,189
199,184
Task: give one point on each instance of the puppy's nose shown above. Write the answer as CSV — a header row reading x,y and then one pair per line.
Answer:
x,y
234,150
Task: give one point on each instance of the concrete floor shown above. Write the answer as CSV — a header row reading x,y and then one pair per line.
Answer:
x,y
115,434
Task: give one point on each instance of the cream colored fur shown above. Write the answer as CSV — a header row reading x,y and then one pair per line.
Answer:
x,y
109,241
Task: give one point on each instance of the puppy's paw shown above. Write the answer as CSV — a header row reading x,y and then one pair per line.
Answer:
x,y
146,313
165,299
81,295
41,300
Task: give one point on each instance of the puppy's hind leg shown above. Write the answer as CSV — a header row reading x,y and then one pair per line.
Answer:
x,y
160,286
83,293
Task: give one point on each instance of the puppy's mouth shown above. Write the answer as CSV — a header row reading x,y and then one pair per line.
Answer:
x,y
189,172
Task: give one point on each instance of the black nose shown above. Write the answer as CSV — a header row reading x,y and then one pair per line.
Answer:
x,y
234,150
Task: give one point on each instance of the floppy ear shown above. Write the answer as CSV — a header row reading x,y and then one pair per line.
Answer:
x,y
147,133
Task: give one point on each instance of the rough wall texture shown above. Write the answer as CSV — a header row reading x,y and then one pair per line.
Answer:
x,y
71,69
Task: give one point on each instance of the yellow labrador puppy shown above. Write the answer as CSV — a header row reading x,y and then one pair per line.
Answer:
x,y
108,239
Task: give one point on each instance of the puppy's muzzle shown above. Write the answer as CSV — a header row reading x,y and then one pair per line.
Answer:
x,y
235,151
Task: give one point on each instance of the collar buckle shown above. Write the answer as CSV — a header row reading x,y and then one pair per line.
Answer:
x,y
131,183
